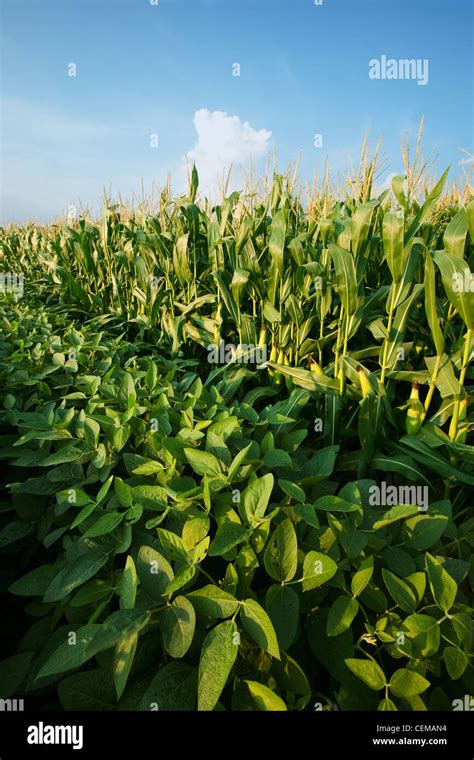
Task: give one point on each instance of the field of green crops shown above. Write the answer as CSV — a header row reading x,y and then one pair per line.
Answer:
x,y
236,447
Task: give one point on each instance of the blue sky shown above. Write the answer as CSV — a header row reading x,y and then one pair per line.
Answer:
x,y
166,70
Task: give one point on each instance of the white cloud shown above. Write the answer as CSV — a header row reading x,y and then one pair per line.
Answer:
x,y
223,141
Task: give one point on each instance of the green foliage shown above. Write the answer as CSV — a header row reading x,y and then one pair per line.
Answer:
x,y
183,535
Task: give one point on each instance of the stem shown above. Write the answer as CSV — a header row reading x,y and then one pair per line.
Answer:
x,y
431,389
387,339
454,422
209,578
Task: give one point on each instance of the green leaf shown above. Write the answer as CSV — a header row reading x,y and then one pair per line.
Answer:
x,y
397,188
455,234
91,433
431,307
255,498
123,660
367,671
400,591
13,672
68,453
212,601
283,607
238,461
15,531
276,245
127,394
317,569
456,273
407,683
128,585
203,462
346,279
184,574
443,587
291,489
123,492
35,582
280,556
174,688
83,514
400,512
105,524
456,662
259,626
361,578
154,571
421,532
181,259
71,654
341,614
426,208
177,623
91,690
92,592
395,253
277,458
119,625
75,574
104,490
218,654
386,705
228,535
401,464
172,544
194,531
335,504
264,698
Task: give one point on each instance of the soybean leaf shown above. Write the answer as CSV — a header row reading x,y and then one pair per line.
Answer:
x,y
203,462
283,606
400,591
128,585
264,698
367,671
341,614
75,574
154,571
456,662
362,577
407,683
317,569
119,625
124,656
255,498
443,587
229,534
71,653
259,626
218,654
174,688
213,601
35,582
177,623
280,556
